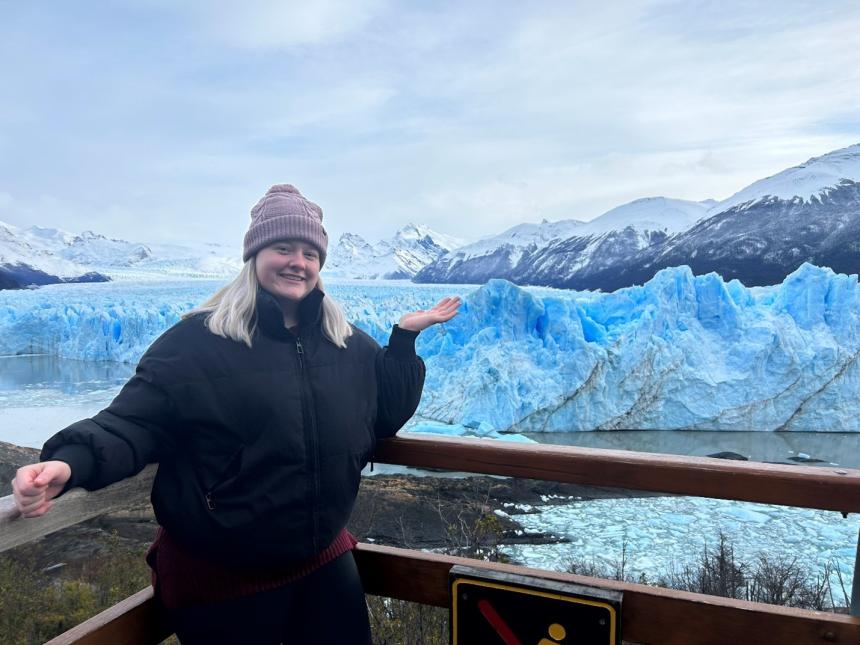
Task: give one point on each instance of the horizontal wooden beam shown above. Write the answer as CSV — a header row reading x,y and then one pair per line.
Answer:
x,y
827,488
134,621
650,615
74,507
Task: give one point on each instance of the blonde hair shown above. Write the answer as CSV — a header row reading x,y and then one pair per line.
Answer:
x,y
232,310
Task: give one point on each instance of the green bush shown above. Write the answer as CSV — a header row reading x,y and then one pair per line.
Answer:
x,y
36,606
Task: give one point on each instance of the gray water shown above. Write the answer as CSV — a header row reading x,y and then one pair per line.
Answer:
x,y
808,448
40,395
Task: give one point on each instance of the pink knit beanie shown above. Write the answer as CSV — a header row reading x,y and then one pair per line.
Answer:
x,y
284,214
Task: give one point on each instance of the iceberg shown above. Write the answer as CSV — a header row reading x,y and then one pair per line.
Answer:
x,y
680,352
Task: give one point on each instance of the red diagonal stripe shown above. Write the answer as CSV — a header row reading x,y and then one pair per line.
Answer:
x,y
498,624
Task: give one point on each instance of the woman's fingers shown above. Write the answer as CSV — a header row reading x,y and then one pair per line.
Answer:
x,y
27,509
27,504
448,301
447,307
40,511
25,480
35,484
442,311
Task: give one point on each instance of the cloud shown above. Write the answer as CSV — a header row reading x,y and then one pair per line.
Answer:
x,y
275,24
470,117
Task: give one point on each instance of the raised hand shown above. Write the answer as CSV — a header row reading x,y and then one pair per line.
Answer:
x,y
442,311
36,484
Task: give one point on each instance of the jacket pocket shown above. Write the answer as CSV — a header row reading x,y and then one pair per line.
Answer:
x,y
227,476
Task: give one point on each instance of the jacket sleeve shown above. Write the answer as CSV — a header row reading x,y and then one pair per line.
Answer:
x,y
400,379
134,430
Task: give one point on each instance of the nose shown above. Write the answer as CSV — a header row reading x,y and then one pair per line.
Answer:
x,y
297,260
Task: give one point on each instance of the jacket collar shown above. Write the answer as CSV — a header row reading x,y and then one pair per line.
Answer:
x,y
270,318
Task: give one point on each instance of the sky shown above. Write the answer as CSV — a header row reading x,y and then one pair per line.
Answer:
x,y
163,121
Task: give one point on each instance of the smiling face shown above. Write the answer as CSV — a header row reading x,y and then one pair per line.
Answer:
x,y
289,270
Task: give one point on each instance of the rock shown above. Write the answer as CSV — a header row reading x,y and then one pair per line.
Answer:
x,y
12,457
729,455
803,458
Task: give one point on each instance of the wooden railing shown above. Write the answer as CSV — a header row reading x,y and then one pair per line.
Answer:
x,y
650,615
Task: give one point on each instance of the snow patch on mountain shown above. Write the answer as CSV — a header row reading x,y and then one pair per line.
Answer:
x,y
811,180
66,255
400,257
20,249
206,260
520,237
648,214
557,253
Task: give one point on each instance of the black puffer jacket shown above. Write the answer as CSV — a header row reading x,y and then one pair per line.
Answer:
x,y
259,449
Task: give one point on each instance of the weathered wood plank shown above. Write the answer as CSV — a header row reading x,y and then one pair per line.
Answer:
x,y
134,621
75,506
650,615
827,488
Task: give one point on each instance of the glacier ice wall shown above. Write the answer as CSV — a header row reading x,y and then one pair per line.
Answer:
x,y
679,352
682,351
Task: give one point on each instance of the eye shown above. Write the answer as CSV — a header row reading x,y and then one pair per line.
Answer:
x,y
310,255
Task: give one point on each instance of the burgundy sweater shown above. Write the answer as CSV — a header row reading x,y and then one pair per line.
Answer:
x,y
182,578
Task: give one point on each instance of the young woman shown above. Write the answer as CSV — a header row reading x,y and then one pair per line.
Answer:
x,y
261,408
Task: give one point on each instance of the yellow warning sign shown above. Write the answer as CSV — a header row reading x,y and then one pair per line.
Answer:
x,y
491,607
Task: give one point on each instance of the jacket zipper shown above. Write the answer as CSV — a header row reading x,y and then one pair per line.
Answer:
x,y
306,399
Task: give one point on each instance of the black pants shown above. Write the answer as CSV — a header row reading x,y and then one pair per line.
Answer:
x,y
325,607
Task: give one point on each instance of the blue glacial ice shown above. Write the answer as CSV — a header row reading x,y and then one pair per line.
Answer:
x,y
682,351
658,535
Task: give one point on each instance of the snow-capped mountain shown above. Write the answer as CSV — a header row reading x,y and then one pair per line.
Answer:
x,y
27,258
38,256
548,252
92,249
807,182
201,260
759,235
400,257
809,213
19,248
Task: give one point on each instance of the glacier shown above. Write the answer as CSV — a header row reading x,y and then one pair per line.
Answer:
x,y
680,352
